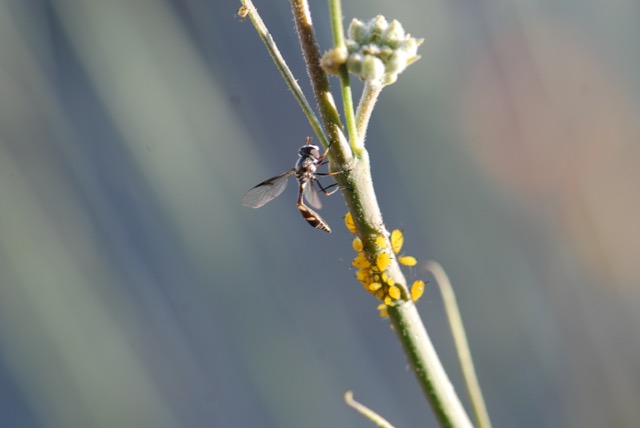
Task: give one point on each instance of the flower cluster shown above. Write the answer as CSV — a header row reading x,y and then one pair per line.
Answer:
x,y
378,50
373,273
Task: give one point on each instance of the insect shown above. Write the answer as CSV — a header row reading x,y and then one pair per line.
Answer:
x,y
242,13
305,172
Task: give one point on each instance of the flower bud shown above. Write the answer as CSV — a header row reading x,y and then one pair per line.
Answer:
x,y
379,51
332,60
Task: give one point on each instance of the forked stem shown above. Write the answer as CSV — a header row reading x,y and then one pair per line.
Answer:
x,y
282,66
320,82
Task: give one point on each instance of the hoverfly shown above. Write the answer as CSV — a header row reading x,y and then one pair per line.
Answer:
x,y
305,172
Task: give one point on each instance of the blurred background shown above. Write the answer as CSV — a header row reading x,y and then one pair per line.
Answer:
x,y
136,291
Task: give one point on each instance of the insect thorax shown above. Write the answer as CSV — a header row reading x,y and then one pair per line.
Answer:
x,y
305,167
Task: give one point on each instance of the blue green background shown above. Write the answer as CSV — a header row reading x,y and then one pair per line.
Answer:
x,y
136,291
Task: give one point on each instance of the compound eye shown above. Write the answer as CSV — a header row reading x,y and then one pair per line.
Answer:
x,y
315,152
310,150
304,151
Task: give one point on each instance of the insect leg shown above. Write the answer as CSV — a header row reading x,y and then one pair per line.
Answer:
x,y
321,159
329,174
325,190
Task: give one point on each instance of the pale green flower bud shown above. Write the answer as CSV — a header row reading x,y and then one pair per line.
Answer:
x,y
379,50
354,63
358,32
372,68
394,34
332,60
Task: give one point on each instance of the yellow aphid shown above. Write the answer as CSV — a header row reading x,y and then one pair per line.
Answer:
x,y
383,310
375,276
361,261
348,221
381,241
416,290
407,260
375,286
357,244
363,275
382,261
394,292
388,300
397,239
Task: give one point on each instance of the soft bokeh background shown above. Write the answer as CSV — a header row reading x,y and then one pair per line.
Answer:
x,y
136,291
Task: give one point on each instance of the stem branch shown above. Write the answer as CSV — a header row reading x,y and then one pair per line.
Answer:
x,y
320,81
335,11
281,64
427,367
368,100
461,344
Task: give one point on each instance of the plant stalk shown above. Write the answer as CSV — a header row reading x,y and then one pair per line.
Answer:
x,y
282,66
335,12
461,344
320,83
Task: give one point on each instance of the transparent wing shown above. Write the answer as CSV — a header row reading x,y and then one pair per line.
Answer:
x,y
266,191
311,195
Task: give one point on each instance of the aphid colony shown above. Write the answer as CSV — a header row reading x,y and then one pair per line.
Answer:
x,y
373,275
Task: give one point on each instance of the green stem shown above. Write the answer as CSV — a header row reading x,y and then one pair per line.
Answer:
x,y
370,94
366,412
335,12
281,64
359,194
427,367
462,345
349,116
411,332
320,82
